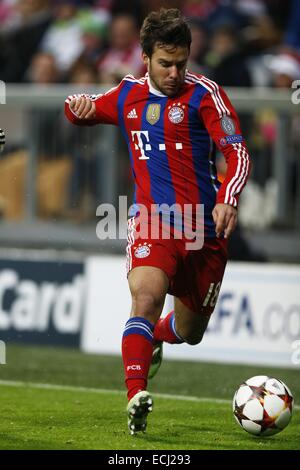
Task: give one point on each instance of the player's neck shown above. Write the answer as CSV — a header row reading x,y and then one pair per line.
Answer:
x,y
152,88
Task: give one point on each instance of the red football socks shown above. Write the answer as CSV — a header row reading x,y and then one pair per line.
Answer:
x,y
137,348
165,330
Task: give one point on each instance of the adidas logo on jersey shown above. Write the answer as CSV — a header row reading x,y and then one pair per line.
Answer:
x,y
132,114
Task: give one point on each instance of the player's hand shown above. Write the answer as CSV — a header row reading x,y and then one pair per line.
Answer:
x,y
83,107
225,218
2,140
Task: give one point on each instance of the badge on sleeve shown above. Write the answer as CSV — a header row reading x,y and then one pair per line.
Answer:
x,y
227,125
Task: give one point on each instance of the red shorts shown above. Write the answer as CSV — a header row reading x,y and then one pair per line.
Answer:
x,y
195,275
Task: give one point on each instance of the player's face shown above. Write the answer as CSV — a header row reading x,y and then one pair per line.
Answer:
x,y
167,67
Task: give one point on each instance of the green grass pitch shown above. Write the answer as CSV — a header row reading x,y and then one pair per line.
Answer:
x,y
54,398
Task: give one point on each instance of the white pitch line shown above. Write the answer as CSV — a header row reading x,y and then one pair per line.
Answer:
x,y
71,388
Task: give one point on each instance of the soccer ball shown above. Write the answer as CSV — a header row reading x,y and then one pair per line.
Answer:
x,y
263,405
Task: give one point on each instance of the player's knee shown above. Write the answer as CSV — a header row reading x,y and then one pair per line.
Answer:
x,y
192,336
146,304
193,340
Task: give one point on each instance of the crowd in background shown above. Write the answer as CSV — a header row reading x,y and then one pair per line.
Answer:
x,y
235,42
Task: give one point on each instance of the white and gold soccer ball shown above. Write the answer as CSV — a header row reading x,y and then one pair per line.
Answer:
x,y
263,405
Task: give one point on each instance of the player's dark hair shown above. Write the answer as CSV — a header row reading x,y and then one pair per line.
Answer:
x,y
164,28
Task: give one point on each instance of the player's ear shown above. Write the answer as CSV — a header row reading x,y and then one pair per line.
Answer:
x,y
146,59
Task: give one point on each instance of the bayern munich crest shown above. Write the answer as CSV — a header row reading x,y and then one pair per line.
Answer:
x,y
176,113
142,251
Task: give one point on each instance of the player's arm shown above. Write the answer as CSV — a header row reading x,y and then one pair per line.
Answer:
x,y
222,123
88,110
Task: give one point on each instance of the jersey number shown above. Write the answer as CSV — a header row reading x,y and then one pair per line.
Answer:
x,y
212,295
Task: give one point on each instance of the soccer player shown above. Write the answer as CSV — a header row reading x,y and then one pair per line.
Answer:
x,y
172,120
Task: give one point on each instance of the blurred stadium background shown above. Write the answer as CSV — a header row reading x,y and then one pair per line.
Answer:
x,y
57,279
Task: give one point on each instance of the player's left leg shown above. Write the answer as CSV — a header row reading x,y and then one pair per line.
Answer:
x,y
181,325
164,331
190,325
198,284
204,271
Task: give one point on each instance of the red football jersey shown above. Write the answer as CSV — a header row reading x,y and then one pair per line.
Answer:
x,y
172,141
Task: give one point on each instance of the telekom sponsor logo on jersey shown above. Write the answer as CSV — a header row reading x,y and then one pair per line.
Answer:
x,y
142,142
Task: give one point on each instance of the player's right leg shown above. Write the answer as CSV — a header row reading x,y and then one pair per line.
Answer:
x,y
151,263
148,286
